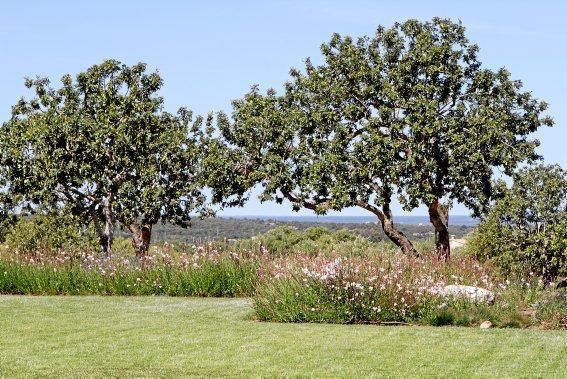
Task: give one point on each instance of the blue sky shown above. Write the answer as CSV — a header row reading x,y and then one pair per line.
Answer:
x,y
210,52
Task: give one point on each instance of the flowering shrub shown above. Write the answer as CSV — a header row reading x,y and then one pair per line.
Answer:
x,y
382,288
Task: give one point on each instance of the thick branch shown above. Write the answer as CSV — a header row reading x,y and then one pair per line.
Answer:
x,y
79,193
373,209
313,205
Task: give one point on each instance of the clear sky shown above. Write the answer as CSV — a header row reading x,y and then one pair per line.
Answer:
x,y
210,52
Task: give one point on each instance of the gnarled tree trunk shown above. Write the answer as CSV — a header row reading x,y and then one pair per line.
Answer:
x,y
104,227
141,238
395,235
439,217
387,221
384,215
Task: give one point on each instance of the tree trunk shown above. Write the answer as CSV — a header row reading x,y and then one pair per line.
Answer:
x,y
141,238
439,217
399,238
395,235
108,227
105,232
105,245
387,221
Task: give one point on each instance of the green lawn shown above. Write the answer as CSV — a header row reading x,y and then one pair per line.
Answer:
x,y
160,336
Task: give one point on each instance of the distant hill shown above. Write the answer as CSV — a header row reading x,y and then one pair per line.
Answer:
x,y
454,220
213,229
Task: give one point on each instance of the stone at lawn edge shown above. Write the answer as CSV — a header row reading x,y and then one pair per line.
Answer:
x,y
486,325
475,294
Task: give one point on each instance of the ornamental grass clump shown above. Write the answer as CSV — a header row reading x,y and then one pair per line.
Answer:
x,y
378,289
201,271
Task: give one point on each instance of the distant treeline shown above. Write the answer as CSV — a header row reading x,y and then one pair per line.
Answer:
x,y
214,229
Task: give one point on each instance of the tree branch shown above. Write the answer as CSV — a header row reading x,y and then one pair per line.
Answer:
x,y
79,193
371,208
313,205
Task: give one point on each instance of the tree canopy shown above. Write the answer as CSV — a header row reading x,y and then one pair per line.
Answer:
x,y
102,147
408,112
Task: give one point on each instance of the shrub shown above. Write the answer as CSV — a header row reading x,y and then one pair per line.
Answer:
x,y
315,240
526,229
123,246
280,240
49,232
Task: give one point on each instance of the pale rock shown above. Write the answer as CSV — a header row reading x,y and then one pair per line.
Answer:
x,y
486,325
475,294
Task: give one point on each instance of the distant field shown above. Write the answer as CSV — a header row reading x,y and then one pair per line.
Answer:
x,y
233,228
157,336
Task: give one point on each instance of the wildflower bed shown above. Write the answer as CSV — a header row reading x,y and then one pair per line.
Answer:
x,y
393,289
204,271
330,288
353,290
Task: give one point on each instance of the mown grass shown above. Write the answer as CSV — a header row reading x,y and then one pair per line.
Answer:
x,y
161,336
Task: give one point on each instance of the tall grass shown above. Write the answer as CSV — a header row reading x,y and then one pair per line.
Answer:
x,y
385,289
203,272
221,279
367,286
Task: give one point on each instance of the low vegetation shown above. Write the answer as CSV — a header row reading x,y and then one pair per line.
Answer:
x,y
313,241
202,271
395,289
310,276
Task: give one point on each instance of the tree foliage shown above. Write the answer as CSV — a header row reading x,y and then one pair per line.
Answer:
x,y
102,147
526,228
407,112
